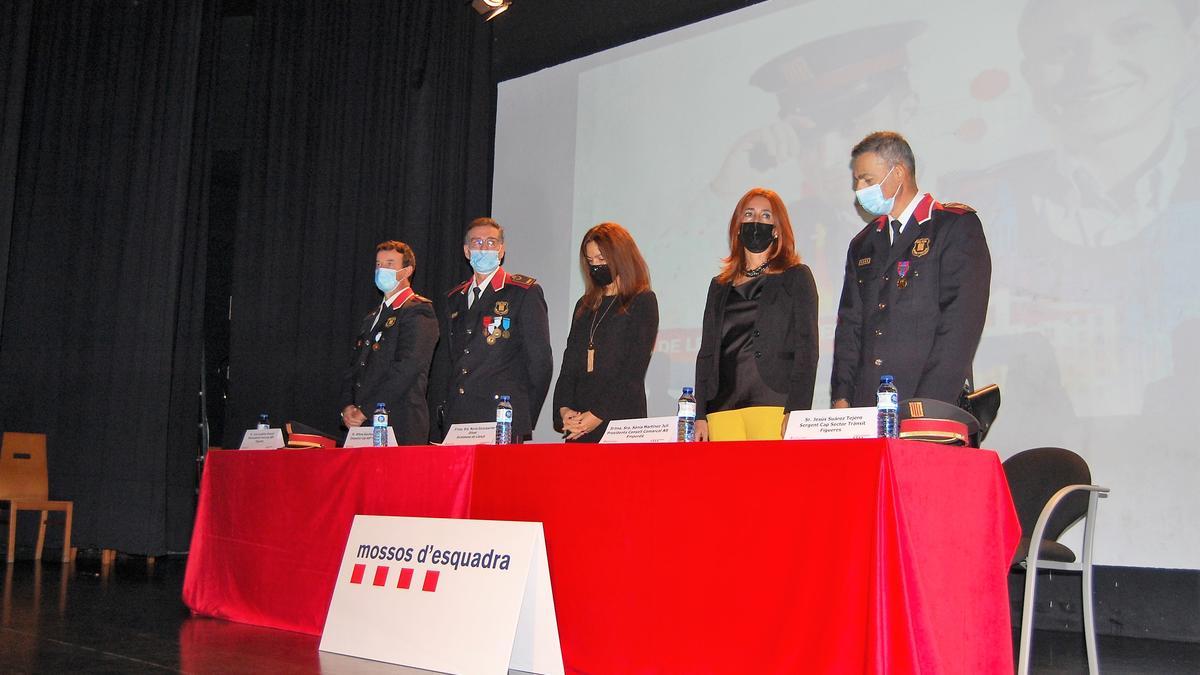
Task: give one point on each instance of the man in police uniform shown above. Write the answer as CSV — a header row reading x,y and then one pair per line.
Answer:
x,y
392,353
495,341
915,294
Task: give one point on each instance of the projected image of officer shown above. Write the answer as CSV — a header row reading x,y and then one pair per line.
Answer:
x,y
1093,232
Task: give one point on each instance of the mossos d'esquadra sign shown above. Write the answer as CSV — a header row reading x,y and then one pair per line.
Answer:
x,y
450,595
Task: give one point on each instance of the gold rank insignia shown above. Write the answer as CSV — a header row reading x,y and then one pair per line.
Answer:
x,y
390,322
920,247
501,307
863,262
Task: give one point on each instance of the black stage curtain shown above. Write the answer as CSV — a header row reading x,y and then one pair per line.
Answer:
x,y
367,121
102,167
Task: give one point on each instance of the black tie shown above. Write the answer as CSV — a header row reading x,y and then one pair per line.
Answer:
x,y
895,230
476,292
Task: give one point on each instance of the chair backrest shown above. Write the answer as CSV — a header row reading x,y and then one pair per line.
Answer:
x,y
1033,478
23,467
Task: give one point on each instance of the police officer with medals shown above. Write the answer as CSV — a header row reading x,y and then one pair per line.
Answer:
x,y
915,294
392,352
495,341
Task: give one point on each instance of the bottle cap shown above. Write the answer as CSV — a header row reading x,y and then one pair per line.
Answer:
x,y
886,378
688,390
379,405
505,397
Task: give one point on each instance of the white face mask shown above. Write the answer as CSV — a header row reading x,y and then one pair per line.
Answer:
x,y
872,200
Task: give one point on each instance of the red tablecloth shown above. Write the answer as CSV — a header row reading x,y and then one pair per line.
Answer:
x,y
772,557
271,524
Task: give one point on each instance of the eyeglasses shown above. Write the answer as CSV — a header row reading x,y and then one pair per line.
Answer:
x,y
489,244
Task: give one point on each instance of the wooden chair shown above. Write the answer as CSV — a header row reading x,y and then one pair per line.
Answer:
x,y
25,486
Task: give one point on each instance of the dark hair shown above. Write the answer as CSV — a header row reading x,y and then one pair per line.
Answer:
x,y
782,253
625,262
890,146
482,222
406,253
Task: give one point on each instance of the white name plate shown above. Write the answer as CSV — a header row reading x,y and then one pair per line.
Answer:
x,y
364,437
453,596
262,439
642,430
475,433
807,425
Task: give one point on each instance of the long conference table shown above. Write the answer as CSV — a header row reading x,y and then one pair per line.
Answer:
x,y
855,556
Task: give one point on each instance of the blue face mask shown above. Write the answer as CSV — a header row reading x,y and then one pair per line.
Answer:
x,y
385,279
872,200
485,262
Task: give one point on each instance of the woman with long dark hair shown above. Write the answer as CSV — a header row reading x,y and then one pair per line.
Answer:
x,y
758,345
612,336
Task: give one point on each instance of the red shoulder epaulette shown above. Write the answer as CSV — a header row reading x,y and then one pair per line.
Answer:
x,y
955,207
458,289
521,280
420,298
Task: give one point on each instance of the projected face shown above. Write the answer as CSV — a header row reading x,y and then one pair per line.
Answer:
x,y
1098,68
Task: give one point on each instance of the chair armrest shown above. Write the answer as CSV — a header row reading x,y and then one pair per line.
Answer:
x,y
1035,537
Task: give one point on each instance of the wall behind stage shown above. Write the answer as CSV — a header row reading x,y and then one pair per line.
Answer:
x,y
1071,127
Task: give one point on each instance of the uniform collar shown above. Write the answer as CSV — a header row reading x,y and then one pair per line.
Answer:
x,y
921,208
497,280
401,297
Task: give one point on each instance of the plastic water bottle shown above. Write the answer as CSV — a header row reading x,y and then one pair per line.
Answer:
x,y
264,422
379,426
887,408
504,420
685,416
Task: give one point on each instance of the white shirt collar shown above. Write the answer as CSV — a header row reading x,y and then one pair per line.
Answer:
x,y
905,215
482,286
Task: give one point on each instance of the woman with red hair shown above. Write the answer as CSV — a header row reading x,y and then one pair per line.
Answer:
x,y
758,346
603,374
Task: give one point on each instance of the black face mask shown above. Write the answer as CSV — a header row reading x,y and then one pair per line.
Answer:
x,y
757,237
600,274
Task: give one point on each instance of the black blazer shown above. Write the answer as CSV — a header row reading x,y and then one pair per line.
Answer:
x,y
616,388
394,368
785,338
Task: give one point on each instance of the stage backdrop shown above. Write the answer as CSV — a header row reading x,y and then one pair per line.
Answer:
x,y
1070,126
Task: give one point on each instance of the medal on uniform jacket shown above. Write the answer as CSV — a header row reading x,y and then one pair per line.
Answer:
x,y
901,273
491,326
390,322
504,324
501,307
920,247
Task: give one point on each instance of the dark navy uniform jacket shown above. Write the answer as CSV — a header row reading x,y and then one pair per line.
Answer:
x,y
391,365
913,309
501,345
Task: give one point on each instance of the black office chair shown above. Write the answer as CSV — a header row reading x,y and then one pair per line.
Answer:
x,y
1052,489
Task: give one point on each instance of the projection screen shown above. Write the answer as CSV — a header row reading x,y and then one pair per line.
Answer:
x,y
1072,127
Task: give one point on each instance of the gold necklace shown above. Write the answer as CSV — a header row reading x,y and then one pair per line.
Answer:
x,y
596,320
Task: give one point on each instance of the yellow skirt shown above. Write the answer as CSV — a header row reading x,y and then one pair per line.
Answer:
x,y
756,423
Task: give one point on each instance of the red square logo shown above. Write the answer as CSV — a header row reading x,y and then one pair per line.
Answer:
x,y
357,575
431,579
381,573
405,578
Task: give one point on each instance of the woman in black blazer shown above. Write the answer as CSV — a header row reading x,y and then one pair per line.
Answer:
x,y
758,346
612,336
